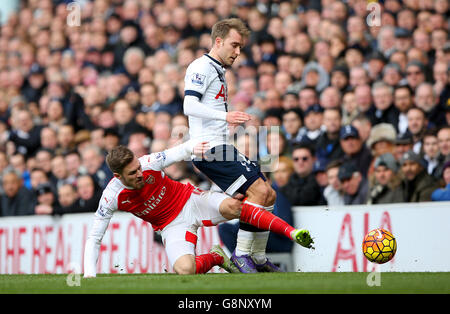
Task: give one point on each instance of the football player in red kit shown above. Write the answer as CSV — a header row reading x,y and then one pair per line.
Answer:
x,y
177,210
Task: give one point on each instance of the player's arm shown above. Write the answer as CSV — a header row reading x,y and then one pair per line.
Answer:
x,y
159,161
193,107
101,221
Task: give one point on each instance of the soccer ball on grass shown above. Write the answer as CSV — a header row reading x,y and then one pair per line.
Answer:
x,y
379,246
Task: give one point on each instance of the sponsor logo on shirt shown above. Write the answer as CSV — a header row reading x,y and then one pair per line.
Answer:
x,y
198,79
152,202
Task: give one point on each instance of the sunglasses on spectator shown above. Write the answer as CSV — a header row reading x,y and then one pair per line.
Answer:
x,y
304,158
415,73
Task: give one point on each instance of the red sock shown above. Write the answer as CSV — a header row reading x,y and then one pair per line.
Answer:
x,y
205,262
265,220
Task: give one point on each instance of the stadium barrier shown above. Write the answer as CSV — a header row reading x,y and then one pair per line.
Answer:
x,y
421,230
55,244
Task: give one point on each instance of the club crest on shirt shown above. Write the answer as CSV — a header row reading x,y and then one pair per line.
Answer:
x,y
198,79
150,179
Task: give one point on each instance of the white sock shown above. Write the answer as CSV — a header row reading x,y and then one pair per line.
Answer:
x,y
259,245
244,242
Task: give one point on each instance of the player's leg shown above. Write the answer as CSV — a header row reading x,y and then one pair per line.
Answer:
x,y
251,241
262,194
235,173
262,219
180,239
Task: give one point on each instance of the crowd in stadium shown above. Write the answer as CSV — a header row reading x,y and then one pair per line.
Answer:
x,y
363,108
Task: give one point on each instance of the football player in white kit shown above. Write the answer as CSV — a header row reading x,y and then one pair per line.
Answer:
x,y
205,103
141,188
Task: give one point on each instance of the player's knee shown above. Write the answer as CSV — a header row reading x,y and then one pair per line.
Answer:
x,y
271,197
268,194
186,268
231,208
185,265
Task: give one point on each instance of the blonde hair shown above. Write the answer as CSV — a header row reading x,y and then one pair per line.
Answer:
x,y
223,27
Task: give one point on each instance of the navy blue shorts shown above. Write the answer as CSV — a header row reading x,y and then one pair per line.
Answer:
x,y
230,170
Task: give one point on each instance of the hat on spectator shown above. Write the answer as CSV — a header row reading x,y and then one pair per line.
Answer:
x,y
316,108
411,156
43,188
348,131
346,171
320,165
36,69
404,139
381,132
387,160
402,33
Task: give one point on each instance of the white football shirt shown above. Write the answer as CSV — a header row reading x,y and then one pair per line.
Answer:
x,y
205,79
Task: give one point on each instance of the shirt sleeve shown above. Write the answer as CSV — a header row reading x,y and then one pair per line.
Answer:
x,y
193,107
196,80
102,217
159,161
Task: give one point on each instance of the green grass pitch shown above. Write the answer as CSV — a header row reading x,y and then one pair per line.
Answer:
x,y
264,283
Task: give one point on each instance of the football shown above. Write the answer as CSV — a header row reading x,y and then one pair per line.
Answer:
x,y
379,246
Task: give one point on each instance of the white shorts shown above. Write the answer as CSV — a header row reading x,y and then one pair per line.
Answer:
x,y
180,236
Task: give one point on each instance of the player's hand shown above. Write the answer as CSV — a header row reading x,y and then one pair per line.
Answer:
x,y
239,196
200,149
237,117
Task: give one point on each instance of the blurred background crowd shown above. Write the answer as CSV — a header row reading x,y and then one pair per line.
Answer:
x,y
361,100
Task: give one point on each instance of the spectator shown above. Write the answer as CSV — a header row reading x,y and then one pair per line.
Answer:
x,y
16,198
67,198
417,125
355,186
362,123
49,138
313,127
354,149
89,194
383,98
349,109
443,194
415,74
302,187
403,143
427,99
47,202
417,184
430,153
443,136
333,191
382,139
308,96
94,162
328,145
385,183
403,101
25,134
126,123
